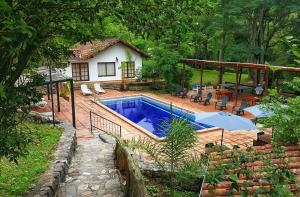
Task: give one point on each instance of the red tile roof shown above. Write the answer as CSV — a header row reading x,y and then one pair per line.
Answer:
x,y
290,160
82,52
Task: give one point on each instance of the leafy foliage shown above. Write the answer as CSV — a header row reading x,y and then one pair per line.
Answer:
x,y
285,118
14,136
172,153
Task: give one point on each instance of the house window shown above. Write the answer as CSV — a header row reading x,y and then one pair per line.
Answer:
x,y
106,69
129,70
80,72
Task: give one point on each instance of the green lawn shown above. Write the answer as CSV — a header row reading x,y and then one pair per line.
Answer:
x,y
211,76
16,179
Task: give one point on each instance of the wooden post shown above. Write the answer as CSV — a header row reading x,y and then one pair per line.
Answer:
x,y
257,77
240,77
220,80
73,103
201,78
57,97
222,137
48,91
183,76
236,84
51,93
266,79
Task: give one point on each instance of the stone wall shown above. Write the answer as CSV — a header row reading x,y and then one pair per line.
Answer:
x,y
154,172
37,117
128,166
48,183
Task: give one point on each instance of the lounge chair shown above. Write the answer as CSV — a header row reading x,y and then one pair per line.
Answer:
x,y
41,104
98,88
196,98
207,99
221,104
239,110
85,90
184,93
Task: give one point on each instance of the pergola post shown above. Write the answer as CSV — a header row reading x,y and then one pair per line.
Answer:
x,y
220,79
57,97
73,103
266,78
201,77
257,77
183,76
51,93
240,77
236,84
48,91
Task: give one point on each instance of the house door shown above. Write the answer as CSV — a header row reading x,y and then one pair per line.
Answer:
x,y
128,69
80,71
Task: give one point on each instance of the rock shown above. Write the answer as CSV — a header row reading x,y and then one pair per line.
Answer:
x,y
112,184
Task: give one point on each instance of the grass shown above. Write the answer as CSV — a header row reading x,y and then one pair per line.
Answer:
x,y
211,76
15,179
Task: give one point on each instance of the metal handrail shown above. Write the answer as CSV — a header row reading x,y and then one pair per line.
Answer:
x,y
103,124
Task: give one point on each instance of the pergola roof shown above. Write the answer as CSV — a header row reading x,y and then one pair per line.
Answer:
x,y
238,65
56,75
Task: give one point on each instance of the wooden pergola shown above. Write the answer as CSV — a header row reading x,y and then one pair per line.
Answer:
x,y
266,69
53,77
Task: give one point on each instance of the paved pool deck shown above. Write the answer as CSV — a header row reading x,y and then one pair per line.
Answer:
x,y
85,104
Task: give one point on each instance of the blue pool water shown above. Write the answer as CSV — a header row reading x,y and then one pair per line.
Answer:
x,y
149,113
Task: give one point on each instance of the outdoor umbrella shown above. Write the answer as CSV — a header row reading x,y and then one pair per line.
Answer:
x,y
224,120
258,111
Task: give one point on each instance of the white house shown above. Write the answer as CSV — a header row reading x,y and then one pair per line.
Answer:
x,y
102,60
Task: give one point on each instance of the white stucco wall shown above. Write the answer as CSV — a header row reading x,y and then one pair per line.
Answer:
x,y
109,55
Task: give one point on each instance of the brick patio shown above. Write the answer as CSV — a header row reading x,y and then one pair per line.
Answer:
x,y
84,105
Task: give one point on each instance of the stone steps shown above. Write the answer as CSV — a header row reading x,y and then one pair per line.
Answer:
x,y
93,171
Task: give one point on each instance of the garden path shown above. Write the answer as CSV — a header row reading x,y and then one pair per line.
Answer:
x,y
93,171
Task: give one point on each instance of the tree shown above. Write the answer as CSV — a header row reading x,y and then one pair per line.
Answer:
x,y
31,32
172,153
32,29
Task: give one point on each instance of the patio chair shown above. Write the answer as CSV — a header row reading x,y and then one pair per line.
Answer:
x,y
221,104
98,88
176,92
207,99
196,98
183,93
259,90
262,139
85,90
239,110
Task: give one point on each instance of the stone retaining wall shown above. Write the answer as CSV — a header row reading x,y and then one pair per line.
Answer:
x,y
127,165
154,172
48,183
37,117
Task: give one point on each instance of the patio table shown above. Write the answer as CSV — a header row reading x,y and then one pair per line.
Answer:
x,y
227,85
240,88
224,92
252,99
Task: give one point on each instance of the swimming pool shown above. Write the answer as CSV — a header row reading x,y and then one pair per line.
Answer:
x,y
149,113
